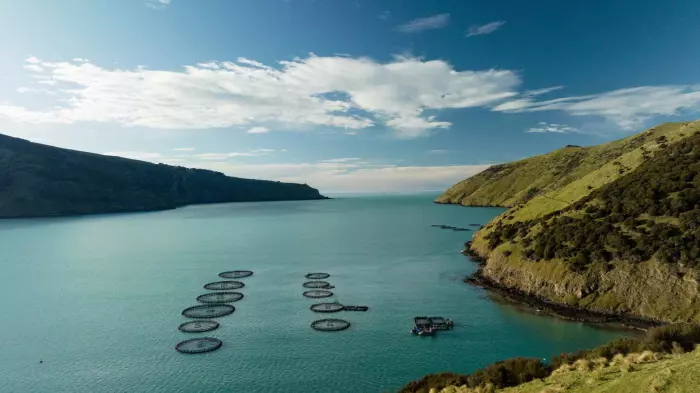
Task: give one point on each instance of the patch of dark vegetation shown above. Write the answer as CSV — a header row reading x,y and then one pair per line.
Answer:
x,y
511,372
653,211
676,338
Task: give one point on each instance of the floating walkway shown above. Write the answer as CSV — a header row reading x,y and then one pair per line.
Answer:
x,y
327,307
356,308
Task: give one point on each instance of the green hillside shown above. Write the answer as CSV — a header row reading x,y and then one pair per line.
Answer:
x,y
611,228
665,359
38,180
634,373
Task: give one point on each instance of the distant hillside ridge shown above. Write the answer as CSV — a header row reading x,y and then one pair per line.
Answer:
x,y
613,228
510,184
40,181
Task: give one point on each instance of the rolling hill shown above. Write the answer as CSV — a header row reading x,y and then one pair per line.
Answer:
x,y
613,228
38,180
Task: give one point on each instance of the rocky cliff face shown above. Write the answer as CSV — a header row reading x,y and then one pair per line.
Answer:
x,y
650,290
38,180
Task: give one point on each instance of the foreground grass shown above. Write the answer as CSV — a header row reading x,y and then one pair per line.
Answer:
x,y
634,373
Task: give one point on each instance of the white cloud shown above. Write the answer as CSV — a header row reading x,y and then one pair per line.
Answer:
x,y
331,175
537,92
158,4
348,177
384,15
32,60
437,151
351,133
485,29
628,108
349,93
26,90
258,130
428,23
33,67
543,127
158,157
348,159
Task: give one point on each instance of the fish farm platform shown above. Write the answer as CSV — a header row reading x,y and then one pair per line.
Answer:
x,y
435,323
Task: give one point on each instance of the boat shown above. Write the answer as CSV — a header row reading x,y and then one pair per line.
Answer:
x,y
428,331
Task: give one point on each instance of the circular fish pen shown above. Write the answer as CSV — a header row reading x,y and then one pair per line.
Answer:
x,y
208,311
199,345
224,285
234,274
220,297
330,325
198,326
318,293
327,307
317,284
317,276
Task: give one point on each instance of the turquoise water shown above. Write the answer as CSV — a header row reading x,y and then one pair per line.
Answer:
x,y
99,299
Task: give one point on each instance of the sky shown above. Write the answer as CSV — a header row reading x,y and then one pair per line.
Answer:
x,y
345,95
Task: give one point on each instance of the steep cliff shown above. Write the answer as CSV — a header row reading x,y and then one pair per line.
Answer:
x,y
38,180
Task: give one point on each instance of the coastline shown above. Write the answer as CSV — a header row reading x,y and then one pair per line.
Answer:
x,y
548,307
151,209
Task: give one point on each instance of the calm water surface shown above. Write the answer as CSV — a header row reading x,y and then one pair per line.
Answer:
x,y
99,299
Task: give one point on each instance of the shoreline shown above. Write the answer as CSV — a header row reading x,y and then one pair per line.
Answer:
x,y
547,307
150,210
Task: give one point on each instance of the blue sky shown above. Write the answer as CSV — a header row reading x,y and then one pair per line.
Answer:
x,y
346,95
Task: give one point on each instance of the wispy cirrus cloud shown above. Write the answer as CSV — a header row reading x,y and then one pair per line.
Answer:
x,y
384,15
428,23
628,108
544,127
184,149
484,29
336,91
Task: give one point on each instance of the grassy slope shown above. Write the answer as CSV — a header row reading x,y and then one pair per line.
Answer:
x,y
559,177
663,296
632,374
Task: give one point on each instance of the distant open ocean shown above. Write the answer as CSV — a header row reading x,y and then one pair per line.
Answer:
x,y
99,299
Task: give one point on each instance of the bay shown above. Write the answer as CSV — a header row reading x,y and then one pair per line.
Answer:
x,y
99,299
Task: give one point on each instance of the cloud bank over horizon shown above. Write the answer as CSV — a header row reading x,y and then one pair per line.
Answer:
x,y
405,96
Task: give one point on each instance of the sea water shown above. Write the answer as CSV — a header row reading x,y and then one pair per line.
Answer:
x,y
99,298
